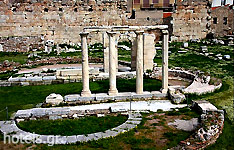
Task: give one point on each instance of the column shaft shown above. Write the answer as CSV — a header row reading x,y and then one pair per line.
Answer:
x,y
139,62
112,64
85,66
165,61
105,52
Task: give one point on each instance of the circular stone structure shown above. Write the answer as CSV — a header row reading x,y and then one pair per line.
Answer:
x,y
10,128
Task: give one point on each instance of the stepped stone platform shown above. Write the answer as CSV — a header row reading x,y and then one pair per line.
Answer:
x,y
103,97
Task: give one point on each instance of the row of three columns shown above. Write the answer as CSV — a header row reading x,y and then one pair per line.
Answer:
x,y
112,64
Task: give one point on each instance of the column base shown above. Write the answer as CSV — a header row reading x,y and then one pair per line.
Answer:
x,y
164,91
86,94
112,92
139,92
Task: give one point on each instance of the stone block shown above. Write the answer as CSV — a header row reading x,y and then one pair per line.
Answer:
x,y
61,140
81,138
86,99
158,94
23,113
54,99
71,98
123,96
136,122
176,96
38,112
103,96
54,117
145,95
109,133
98,135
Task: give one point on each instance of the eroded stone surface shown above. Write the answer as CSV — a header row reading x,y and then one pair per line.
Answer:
x,y
186,125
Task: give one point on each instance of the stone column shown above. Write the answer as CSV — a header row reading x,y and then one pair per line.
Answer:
x,y
112,64
133,55
105,52
165,61
139,62
85,65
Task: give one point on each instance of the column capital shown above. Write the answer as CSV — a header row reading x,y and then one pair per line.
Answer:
x,y
84,33
165,32
111,33
139,32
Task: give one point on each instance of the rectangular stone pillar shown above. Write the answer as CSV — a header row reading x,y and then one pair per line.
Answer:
x,y
165,61
133,54
112,64
85,65
105,52
149,51
139,62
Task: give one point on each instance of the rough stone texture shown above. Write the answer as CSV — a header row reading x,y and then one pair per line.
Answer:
x,y
199,86
212,122
186,125
54,99
176,96
222,29
190,21
204,106
59,21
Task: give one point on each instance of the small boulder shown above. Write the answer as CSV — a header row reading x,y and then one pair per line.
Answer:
x,y
176,96
54,99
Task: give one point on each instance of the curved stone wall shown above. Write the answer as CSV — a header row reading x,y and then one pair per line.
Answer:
x,y
10,128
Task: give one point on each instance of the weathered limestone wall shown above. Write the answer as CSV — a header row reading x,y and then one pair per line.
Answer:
x,y
220,28
191,22
61,21
21,43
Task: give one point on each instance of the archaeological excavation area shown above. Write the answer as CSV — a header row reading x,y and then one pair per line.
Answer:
x,y
116,74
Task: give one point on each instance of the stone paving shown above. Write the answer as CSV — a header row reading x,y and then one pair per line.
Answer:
x,y
186,125
10,128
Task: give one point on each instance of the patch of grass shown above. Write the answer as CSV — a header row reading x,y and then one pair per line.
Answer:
x,y
126,43
183,111
175,137
13,56
6,75
67,127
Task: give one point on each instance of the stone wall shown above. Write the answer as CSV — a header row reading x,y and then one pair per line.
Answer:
x,y
21,43
190,21
195,19
212,123
220,28
60,21
24,23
